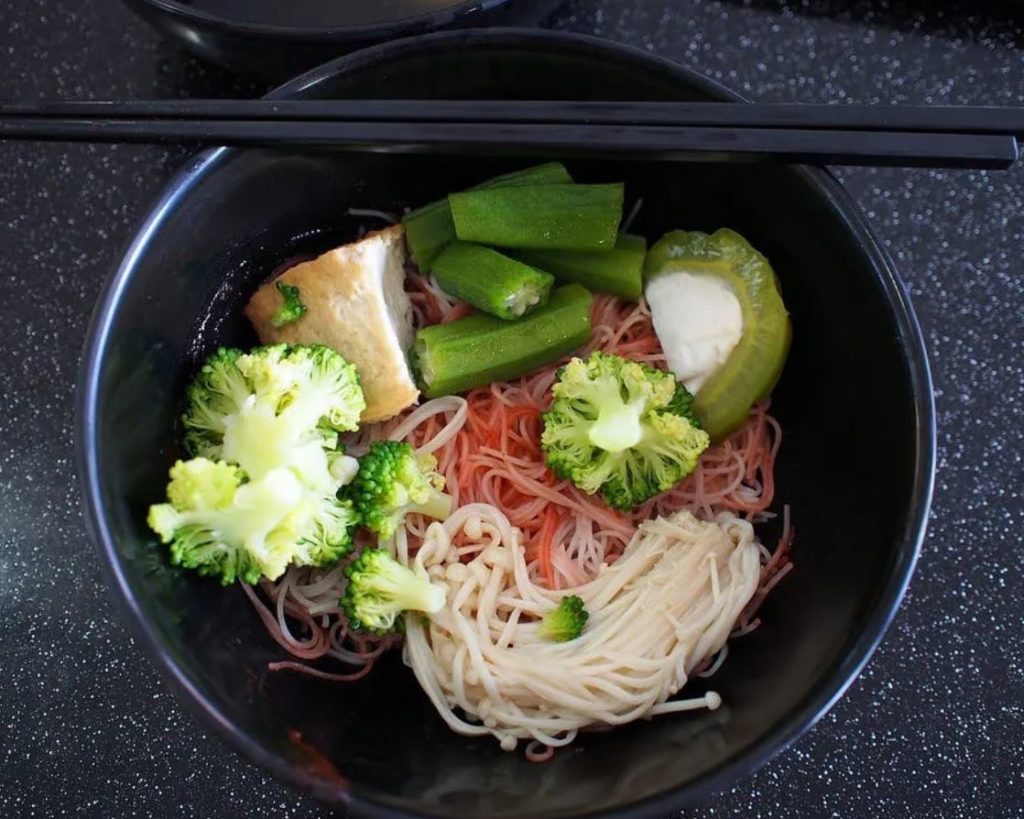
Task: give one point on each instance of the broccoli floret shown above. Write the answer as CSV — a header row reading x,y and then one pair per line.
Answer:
x,y
566,621
380,588
291,309
324,525
393,481
620,427
682,404
261,493
219,523
343,467
280,405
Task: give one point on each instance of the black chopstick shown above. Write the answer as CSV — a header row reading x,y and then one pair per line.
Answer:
x,y
924,118
946,137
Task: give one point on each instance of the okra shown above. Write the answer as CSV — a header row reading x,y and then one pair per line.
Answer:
x,y
491,281
430,228
618,271
479,350
559,217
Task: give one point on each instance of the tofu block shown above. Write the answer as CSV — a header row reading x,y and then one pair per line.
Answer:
x,y
357,305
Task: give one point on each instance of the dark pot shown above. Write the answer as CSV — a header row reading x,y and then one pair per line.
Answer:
x,y
856,463
279,46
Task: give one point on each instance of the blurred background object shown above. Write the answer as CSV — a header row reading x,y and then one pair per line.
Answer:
x,y
279,38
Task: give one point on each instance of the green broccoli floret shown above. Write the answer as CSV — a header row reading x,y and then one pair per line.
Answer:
x,y
682,404
291,309
324,526
393,481
566,621
219,523
622,428
261,493
279,405
380,588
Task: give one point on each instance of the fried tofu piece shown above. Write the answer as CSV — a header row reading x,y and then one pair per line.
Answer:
x,y
357,305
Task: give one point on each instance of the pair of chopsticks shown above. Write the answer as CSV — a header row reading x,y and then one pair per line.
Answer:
x,y
906,136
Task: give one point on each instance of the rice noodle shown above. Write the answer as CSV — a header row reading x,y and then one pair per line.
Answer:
x,y
487,446
654,618
307,598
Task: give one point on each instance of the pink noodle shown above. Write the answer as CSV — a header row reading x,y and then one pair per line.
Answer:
x,y
537,752
310,671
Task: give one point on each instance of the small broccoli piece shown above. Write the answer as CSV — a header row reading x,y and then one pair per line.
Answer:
x,y
343,467
682,404
292,308
380,588
279,405
622,428
566,621
219,523
393,481
323,525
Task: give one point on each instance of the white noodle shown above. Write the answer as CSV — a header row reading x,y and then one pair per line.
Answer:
x,y
660,611
449,403
383,215
444,301
717,664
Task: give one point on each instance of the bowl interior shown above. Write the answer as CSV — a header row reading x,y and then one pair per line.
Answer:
x,y
377,744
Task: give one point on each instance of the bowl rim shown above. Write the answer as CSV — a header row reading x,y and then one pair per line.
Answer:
x,y
401,27
792,725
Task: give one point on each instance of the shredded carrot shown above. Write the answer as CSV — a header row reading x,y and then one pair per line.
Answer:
x,y
543,544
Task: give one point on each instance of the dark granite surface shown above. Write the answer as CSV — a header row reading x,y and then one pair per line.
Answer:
x,y
935,727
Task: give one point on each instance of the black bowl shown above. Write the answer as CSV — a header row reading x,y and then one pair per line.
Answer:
x,y
856,464
278,38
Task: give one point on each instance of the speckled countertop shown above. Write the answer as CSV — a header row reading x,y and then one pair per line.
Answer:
x,y
934,727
